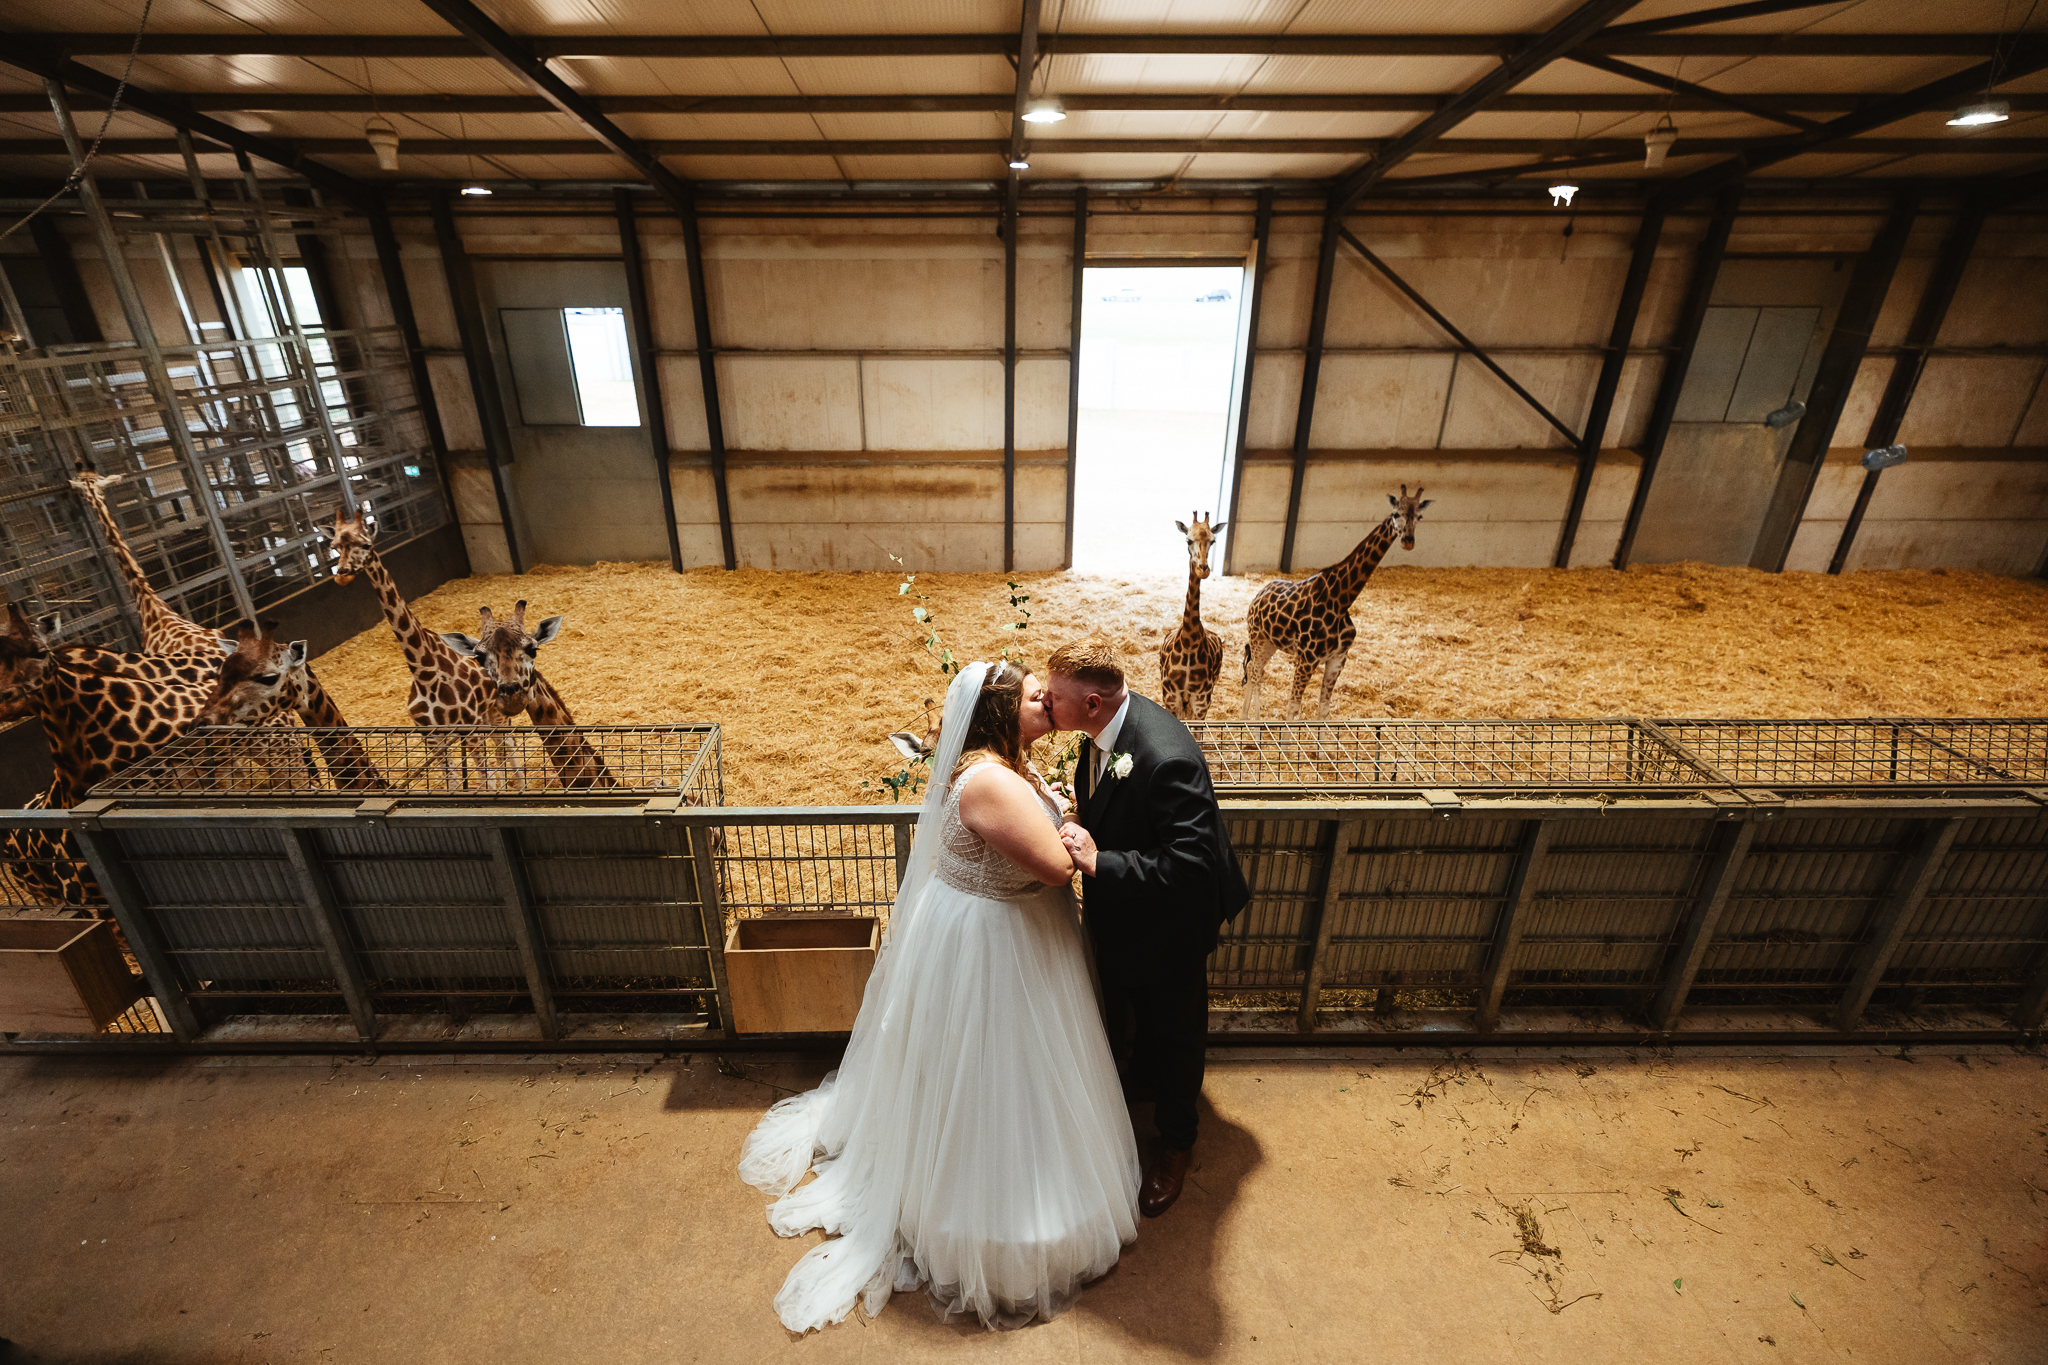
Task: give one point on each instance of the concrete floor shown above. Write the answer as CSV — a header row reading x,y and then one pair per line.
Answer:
x,y
1368,1206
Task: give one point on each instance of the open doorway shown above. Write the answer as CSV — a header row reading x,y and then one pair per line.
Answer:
x,y
1159,357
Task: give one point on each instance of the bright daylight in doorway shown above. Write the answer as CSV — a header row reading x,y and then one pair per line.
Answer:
x,y
603,367
1158,353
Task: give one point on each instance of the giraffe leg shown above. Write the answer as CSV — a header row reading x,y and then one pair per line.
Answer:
x,y
1333,667
1257,655
1303,667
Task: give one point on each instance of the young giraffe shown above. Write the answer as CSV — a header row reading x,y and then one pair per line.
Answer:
x,y
1192,656
505,652
453,688
260,685
1310,618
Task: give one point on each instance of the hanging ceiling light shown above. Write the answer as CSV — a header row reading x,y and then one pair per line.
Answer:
x,y
1982,112
1884,457
1657,143
476,187
383,139
1044,110
1561,195
1786,416
1020,164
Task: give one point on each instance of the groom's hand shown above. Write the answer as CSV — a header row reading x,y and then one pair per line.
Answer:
x,y
1081,845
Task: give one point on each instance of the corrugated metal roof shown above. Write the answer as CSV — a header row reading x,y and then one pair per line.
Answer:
x,y
678,76
1366,75
1430,16
896,75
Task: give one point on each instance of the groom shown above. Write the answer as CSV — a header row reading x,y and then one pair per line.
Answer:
x,y
1158,878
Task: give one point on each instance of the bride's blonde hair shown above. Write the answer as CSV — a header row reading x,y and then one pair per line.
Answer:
x,y
995,728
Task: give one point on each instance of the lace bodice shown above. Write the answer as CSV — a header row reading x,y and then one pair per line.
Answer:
x,y
967,862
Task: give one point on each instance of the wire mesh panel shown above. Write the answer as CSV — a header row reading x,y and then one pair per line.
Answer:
x,y
1326,758
842,867
1985,920
1879,753
590,763
1419,901
1611,897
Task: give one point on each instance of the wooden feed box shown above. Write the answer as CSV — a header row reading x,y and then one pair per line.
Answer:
x,y
62,976
803,974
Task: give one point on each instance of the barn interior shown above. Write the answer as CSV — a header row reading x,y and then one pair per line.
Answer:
x,y
1698,729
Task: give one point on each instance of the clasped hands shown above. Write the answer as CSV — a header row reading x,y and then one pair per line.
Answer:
x,y
1080,845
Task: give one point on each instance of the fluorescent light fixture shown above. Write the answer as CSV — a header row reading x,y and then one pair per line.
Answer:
x,y
1047,110
1561,195
383,140
1657,143
476,188
1787,415
1884,457
1978,114
1020,164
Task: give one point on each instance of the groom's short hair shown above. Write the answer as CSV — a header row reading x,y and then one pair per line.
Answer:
x,y
1094,663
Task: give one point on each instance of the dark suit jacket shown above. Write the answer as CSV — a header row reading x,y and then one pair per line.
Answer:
x,y
1165,870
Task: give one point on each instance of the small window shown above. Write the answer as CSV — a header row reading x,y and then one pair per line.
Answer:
x,y
571,367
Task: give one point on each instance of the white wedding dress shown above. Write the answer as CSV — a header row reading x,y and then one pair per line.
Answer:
x,y
975,1139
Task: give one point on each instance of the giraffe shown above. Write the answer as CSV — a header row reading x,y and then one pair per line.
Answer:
x,y
915,747
163,630
505,652
260,685
1192,656
1310,618
451,687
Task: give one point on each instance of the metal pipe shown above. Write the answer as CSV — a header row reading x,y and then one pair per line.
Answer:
x,y
1855,319
1641,258
1706,269
1262,232
130,908
483,373
1311,371
707,371
655,410
1935,298
1074,366
158,377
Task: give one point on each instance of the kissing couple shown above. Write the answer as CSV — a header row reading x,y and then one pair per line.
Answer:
x,y
975,1139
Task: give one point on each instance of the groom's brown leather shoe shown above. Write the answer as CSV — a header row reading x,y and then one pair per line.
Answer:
x,y
1163,1182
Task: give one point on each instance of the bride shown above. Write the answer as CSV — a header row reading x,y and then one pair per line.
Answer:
x,y
974,1139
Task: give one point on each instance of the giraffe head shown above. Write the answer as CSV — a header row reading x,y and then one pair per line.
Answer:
x,y
261,678
350,539
1201,535
505,652
24,658
1407,511
919,747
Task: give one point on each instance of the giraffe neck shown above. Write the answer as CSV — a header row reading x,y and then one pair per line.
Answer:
x,y
156,613
1344,580
426,654
547,706
1191,614
315,707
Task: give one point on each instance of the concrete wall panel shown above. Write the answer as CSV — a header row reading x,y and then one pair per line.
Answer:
x,y
1368,402
682,392
790,402
2033,428
1276,398
1970,400
1713,483
459,424
1486,414
933,404
1860,409
1998,300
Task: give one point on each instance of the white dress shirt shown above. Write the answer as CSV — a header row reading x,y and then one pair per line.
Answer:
x,y
1105,743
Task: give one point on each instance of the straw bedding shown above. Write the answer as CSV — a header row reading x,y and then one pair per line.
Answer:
x,y
807,673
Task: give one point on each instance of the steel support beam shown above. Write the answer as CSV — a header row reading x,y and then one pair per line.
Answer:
x,y
1706,268
1027,64
2024,58
1829,393
872,45
1507,932
654,410
1919,867
1641,258
1722,867
1530,56
1336,876
1911,361
1074,365
1629,71
1262,233
62,268
707,373
482,369
130,908
143,329
302,851
392,265
1466,343
1718,15
704,865
1009,231
1311,371
527,933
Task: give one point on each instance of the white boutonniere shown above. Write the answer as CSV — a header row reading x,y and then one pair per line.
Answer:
x,y
1119,764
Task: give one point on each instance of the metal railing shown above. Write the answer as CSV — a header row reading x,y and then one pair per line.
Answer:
x,y
1857,889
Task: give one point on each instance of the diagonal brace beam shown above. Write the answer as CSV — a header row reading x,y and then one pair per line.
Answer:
x,y
1648,77
1464,342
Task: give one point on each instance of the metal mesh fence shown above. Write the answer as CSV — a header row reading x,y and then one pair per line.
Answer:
x,y
467,763
844,867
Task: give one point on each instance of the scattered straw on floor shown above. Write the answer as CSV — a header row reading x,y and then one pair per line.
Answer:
x,y
808,672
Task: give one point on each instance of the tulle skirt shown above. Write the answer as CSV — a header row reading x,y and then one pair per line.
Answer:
x,y
974,1140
